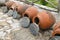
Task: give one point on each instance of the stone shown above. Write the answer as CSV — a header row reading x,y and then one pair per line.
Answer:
x,y
1,13
4,9
25,21
1,10
2,34
16,15
7,27
55,38
3,17
9,18
47,33
8,31
3,23
15,35
10,21
10,13
15,26
15,20
1,27
2,2
34,29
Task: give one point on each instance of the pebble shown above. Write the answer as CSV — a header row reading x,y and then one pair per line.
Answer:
x,y
55,38
7,27
25,21
2,34
3,23
10,13
34,28
4,9
47,33
3,17
15,26
16,15
2,1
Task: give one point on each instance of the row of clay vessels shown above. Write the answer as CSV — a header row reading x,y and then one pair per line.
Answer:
x,y
44,19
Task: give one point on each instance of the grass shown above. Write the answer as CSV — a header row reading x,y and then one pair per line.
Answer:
x,y
54,2
47,4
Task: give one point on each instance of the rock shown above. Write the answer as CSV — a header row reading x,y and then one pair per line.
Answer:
x,y
7,37
15,35
1,27
4,9
8,31
1,10
3,23
25,21
34,28
9,18
1,14
55,38
1,39
15,26
10,21
10,13
16,15
3,17
2,1
7,27
47,33
23,34
2,34
15,20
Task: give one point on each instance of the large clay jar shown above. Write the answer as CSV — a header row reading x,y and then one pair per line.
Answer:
x,y
22,8
9,3
14,6
56,30
31,12
44,19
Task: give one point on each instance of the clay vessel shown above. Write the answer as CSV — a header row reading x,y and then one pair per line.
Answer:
x,y
9,3
44,19
14,6
56,29
22,8
31,12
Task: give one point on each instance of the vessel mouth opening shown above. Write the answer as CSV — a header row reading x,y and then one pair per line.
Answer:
x,y
36,20
57,34
11,8
25,15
